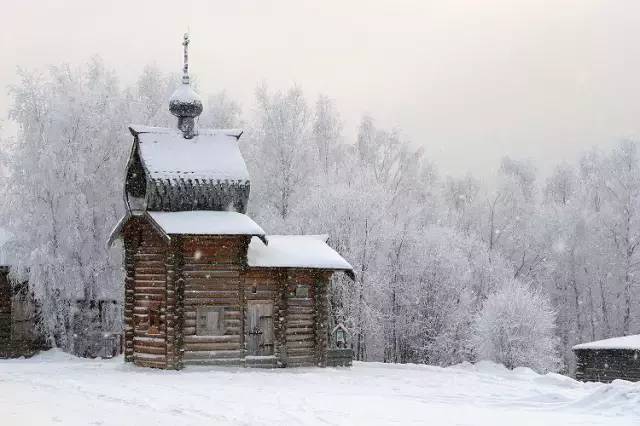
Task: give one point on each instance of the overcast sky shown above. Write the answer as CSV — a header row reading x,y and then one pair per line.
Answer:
x,y
470,80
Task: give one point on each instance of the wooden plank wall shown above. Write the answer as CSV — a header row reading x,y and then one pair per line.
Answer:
x,y
212,274
150,280
607,365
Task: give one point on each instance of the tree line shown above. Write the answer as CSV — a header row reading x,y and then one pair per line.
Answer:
x,y
517,267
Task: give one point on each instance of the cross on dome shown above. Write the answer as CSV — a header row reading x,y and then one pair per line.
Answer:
x,y
185,68
185,102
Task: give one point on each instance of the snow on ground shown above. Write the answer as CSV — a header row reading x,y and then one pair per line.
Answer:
x,y
56,388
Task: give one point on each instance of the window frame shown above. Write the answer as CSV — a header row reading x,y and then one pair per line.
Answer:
x,y
220,328
307,291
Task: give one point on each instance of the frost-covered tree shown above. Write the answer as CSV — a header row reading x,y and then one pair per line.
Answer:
x,y
428,249
62,197
623,222
222,112
462,198
516,328
561,185
439,279
327,130
280,136
148,99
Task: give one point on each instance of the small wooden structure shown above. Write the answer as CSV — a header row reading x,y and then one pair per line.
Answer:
x,y
18,310
340,353
609,359
97,328
204,283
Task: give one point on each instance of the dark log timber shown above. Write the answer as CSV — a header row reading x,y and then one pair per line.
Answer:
x,y
18,319
174,287
606,365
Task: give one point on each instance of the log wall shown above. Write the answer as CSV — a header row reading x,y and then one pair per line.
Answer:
x,y
301,316
213,276
281,307
321,319
176,278
607,365
173,311
18,320
149,294
5,312
131,241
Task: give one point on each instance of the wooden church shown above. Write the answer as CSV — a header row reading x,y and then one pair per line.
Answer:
x,y
204,284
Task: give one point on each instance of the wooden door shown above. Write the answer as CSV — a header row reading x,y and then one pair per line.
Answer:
x,y
259,333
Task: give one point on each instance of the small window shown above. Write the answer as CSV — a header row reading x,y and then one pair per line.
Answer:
x,y
341,339
155,320
302,291
210,321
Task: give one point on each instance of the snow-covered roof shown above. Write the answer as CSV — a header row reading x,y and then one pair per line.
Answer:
x,y
205,222
184,94
6,252
196,222
296,251
625,342
210,155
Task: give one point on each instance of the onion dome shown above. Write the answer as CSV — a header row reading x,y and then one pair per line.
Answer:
x,y
185,103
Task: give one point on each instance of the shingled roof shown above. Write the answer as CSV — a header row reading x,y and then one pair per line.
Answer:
x,y
172,173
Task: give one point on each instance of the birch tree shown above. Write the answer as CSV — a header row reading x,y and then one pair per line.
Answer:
x,y
62,198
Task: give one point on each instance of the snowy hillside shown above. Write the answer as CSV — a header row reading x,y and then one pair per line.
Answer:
x,y
55,388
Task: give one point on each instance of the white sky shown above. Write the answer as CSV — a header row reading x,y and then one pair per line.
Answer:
x,y
471,80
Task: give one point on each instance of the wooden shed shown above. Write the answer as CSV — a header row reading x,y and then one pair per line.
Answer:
x,y
18,310
609,359
204,283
